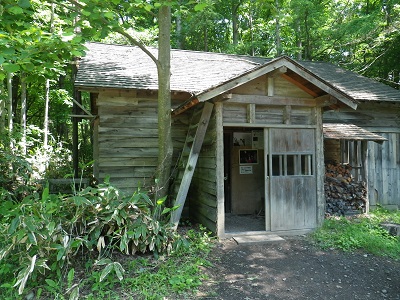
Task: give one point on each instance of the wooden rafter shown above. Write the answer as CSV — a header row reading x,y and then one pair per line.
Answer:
x,y
300,85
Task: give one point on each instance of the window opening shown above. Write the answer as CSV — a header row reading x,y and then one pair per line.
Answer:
x,y
292,164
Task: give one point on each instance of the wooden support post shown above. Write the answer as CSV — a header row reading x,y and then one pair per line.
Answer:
x,y
220,171
271,86
364,170
191,163
320,166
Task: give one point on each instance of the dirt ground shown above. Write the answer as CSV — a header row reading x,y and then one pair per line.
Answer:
x,y
296,269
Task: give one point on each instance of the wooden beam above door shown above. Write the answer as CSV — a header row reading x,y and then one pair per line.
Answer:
x,y
272,100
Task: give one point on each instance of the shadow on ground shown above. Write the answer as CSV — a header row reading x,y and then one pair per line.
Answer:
x,y
296,269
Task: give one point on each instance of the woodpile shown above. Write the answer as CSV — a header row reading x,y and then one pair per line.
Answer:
x,y
343,195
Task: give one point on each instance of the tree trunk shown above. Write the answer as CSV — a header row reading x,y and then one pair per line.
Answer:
x,y
164,102
10,102
23,113
299,43
278,30
251,29
47,97
2,111
178,20
46,115
235,23
205,39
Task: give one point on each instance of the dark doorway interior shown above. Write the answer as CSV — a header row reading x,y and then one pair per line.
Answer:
x,y
244,180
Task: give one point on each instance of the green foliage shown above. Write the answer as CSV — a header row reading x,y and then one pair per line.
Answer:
x,y
364,233
177,274
43,234
15,171
19,174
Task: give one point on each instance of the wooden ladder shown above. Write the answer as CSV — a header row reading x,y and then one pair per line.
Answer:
x,y
188,159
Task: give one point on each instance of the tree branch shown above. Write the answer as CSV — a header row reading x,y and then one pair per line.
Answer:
x,y
119,30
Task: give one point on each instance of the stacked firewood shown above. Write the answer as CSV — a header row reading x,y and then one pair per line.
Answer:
x,y
343,195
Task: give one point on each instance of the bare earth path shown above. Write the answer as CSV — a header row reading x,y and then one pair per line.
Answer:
x,y
296,269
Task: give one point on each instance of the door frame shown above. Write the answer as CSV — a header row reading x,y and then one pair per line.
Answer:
x,y
267,171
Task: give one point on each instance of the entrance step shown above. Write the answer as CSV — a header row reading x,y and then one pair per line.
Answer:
x,y
259,238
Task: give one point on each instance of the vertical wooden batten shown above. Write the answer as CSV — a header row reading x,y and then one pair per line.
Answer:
x,y
220,170
251,113
287,111
320,166
270,86
364,169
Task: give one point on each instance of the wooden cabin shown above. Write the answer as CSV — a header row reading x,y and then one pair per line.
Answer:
x,y
247,132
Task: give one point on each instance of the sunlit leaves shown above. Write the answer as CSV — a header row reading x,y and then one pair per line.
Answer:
x,y
200,6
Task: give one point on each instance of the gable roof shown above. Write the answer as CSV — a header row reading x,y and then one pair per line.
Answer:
x,y
204,73
128,67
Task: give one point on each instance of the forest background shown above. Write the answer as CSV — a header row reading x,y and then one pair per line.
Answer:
x,y
41,40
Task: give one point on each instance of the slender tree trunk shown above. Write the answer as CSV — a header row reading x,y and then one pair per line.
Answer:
x,y
298,42
23,112
235,24
164,102
251,28
2,110
10,103
307,48
46,115
179,42
278,30
47,97
205,39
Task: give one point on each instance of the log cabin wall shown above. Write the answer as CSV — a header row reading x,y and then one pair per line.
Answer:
x,y
384,159
127,138
202,195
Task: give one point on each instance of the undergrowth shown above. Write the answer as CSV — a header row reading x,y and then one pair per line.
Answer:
x,y
95,244
363,232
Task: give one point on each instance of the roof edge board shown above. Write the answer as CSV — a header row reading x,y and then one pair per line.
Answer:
x,y
319,82
241,79
273,66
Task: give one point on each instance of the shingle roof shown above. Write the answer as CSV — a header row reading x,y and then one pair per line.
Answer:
x,y
350,132
118,66
128,67
358,87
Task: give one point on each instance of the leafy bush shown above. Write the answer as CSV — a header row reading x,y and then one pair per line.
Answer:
x,y
19,173
15,172
364,232
42,235
166,277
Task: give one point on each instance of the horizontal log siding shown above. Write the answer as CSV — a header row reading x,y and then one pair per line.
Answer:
x,y
128,139
383,159
267,114
203,189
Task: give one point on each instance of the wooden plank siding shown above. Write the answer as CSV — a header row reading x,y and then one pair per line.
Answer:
x,y
127,134
383,159
203,190
268,114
